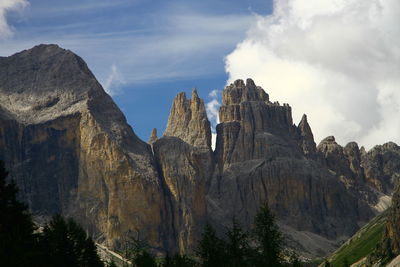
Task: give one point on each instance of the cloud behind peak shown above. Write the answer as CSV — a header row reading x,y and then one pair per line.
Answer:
x,y
337,61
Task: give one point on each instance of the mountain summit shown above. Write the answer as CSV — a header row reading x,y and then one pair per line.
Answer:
x,y
71,151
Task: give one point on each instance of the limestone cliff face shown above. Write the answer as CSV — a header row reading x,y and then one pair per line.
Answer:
x,y
71,151
382,167
345,162
153,137
389,246
188,120
391,237
184,157
251,126
306,137
382,172
263,157
372,175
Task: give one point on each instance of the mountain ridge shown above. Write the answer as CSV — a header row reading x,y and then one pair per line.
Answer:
x,y
98,171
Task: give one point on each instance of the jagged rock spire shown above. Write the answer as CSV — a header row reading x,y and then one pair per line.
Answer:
x,y
307,139
188,120
248,122
153,136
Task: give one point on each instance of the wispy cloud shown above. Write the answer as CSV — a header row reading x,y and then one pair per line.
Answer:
x,y
337,61
65,8
5,7
171,46
113,82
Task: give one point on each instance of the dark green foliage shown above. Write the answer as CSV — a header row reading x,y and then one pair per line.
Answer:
x,y
327,263
294,260
137,252
111,264
67,244
345,263
237,249
270,241
178,261
17,241
144,259
211,249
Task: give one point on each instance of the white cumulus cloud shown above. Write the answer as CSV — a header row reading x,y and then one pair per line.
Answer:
x,y
5,7
212,109
338,61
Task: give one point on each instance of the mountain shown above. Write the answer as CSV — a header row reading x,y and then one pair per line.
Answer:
x,y
71,151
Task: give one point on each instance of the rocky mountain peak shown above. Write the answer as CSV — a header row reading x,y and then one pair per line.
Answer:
x,y
328,140
78,155
333,154
239,91
45,82
153,136
252,126
382,166
307,138
188,120
73,153
250,103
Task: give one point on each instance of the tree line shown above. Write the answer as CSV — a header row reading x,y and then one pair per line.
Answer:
x,y
63,242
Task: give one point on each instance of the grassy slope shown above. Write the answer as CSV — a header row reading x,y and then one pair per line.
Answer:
x,y
361,244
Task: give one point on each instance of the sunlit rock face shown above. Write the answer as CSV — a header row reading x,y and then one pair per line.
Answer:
x,y
185,160
188,121
70,150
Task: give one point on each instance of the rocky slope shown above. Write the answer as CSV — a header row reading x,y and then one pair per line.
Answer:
x,y
70,150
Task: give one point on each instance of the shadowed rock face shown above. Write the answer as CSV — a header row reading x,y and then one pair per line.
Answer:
x,y
389,246
263,157
382,167
391,237
71,151
306,138
251,126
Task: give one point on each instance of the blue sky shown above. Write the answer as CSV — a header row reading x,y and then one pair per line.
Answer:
x,y
143,52
316,55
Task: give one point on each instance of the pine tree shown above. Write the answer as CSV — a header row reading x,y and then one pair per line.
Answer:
x,y
66,244
138,253
144,259
238,252
178,261
17,240
269,239
211,249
